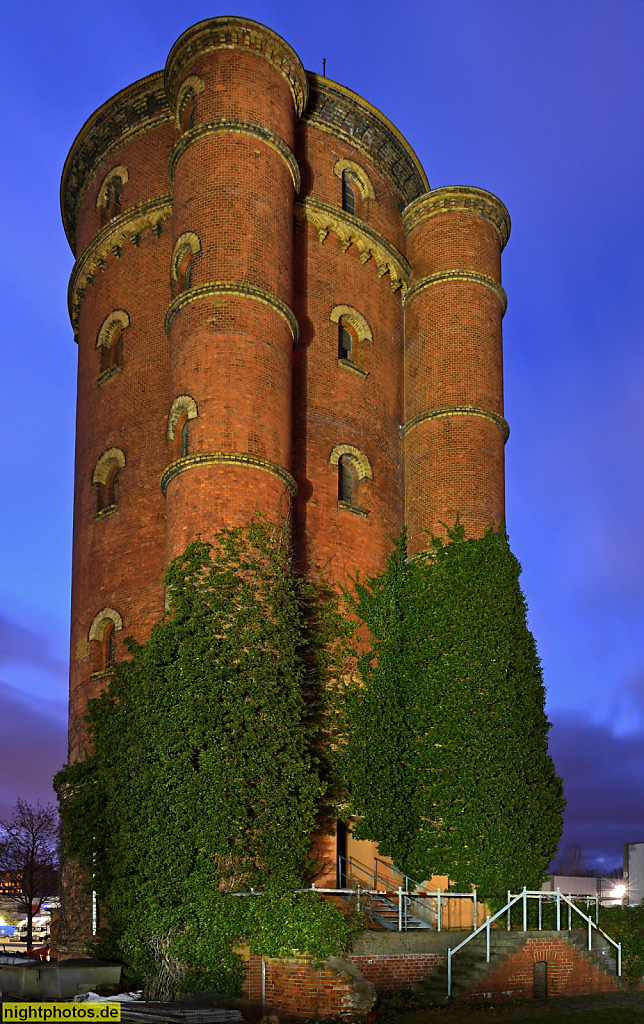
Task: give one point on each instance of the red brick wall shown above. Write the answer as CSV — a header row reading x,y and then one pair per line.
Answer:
x,y
295,988
397,972
453,358
234,355
569,974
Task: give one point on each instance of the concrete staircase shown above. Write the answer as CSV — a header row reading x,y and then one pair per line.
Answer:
x,y
470,966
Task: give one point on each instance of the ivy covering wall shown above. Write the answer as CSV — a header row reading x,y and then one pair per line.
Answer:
x,y
204,779
446,754
236,731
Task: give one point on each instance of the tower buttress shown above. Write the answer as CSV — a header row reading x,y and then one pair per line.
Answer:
x,y
453,429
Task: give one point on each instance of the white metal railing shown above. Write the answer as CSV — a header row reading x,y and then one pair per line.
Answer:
x,y
408,896
531,894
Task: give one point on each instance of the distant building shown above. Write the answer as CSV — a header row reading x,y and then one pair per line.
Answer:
x,y
634,871
608,889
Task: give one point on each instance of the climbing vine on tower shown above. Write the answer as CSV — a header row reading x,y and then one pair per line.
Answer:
x,y
205,777
446,751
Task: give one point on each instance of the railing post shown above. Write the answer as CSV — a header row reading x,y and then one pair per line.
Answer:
x,y
449,972
619,959
509,910
569,914
439,909
540,910
358,905
474,917
558,909
399,909
487,940
590,934
596,908
525,909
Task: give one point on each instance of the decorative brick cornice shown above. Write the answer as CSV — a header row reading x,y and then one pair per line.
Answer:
x,y
233,33
341,112
469,276
226,459
352,231
109,241
456,198
139,108
458,410
236,126
233,288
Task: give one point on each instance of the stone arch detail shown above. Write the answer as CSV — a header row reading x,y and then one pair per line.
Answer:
x,y
187,242
117,319
184,403
357,174
119,172
357,458
100,623
108,460
191,86
354,319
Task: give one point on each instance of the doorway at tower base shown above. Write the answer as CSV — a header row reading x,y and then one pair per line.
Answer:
x,y
347,862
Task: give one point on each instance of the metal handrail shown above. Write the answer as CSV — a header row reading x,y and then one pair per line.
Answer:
x,y
524,896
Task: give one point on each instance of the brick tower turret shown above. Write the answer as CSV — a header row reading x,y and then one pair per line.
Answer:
x,y
274,313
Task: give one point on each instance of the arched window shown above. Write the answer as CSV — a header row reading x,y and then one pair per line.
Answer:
x,y
182,410
184,272
357,189
345,343
353,330
102,639
348,194
105,480
188,92
110,344
353,467
187,120
187,247
345,480
184,438
110,195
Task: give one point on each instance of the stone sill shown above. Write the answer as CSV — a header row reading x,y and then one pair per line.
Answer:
x,y
106,375
357,511
346,364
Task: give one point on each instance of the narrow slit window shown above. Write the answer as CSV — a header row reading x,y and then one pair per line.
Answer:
x,y
188,113
185,439
345,343
113,198
111,354
345,481
348,195
110,647
184,274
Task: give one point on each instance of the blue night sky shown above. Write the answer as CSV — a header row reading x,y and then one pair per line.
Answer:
x,y
539,101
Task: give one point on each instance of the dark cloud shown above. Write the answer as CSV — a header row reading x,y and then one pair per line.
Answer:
x,y
22,645
33,746
604,784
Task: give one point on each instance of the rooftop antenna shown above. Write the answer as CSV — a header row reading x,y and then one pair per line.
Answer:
x,y
324,67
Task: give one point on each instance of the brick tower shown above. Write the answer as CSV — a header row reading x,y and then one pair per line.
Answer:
x,y
275,313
